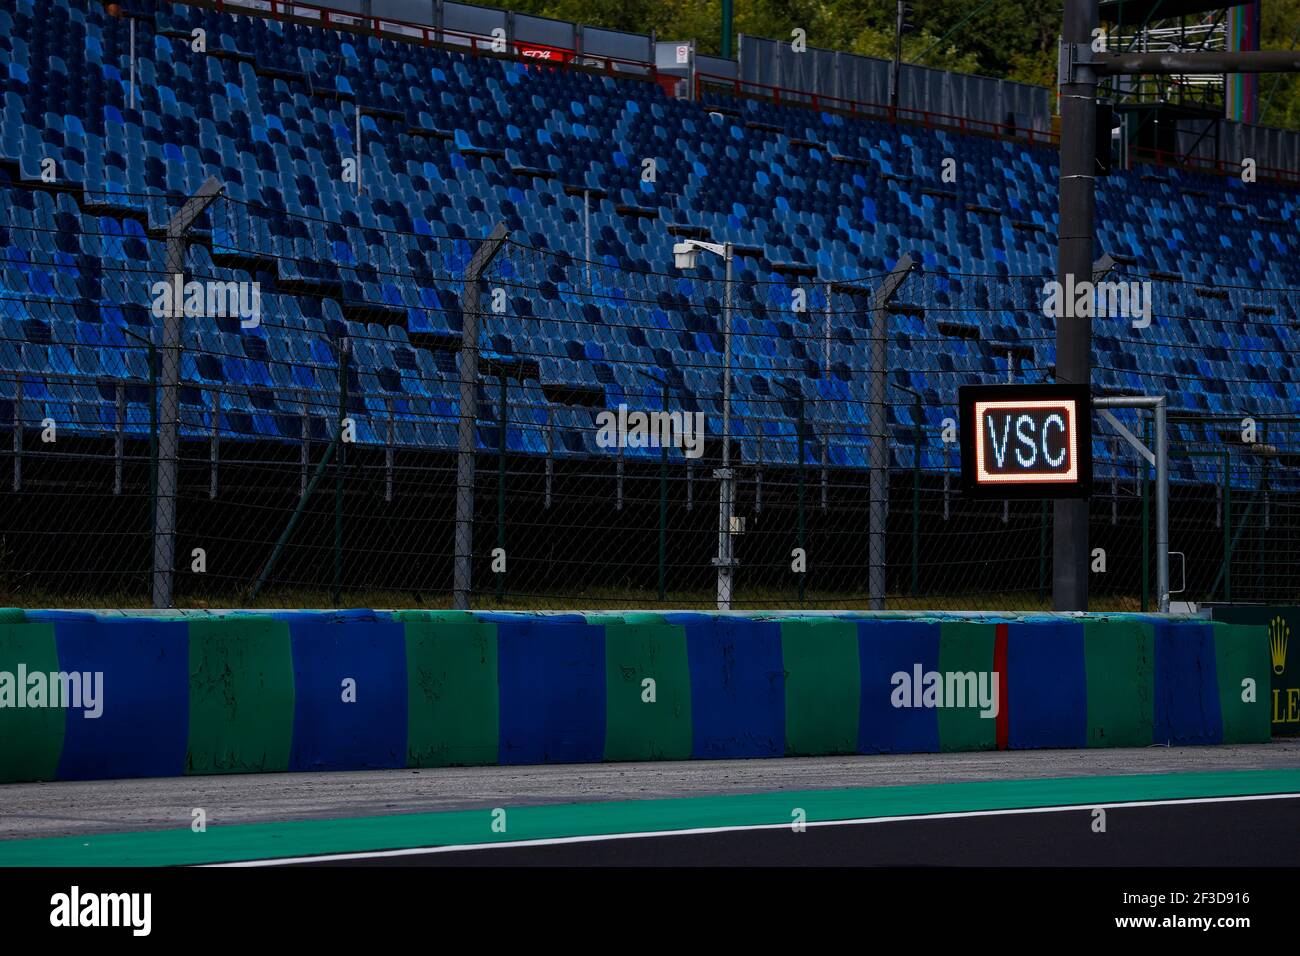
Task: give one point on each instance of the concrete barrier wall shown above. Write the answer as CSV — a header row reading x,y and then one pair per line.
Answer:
x,y
243,692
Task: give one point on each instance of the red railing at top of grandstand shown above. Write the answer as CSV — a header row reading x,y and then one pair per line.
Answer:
x,y
532,52
779,94
523,50
1220,167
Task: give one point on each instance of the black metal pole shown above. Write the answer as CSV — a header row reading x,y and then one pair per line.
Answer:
x,y
803,578
501,485
1074,265
918,417
663,513
339,464
898,59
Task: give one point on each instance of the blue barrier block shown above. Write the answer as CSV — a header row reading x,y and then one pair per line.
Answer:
x,y
551,676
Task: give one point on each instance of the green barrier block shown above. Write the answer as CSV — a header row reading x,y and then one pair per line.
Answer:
x,y
823,687
966,648
241,695
451,674
1241,652
1119,658
637,649
31,738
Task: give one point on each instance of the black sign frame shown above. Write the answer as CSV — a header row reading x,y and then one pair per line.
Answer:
x,y
1081,487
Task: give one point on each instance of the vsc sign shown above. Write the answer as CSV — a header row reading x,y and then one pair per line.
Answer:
x,y
1026,441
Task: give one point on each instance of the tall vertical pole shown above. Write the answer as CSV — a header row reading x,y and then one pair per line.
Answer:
x,y
663,513
340,462
826,372
1162,509
919,417
803,578
465,436
132,22
359,150
586,233
726,28
898,58
164,531
503,424
726,485
876,419
1078,89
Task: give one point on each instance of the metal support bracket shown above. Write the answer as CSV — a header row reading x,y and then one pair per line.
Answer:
x,y
1075,64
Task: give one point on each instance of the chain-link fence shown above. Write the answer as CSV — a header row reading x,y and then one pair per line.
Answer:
x,y
628,436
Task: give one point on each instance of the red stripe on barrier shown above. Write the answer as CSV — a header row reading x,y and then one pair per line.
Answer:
x,y
1000,668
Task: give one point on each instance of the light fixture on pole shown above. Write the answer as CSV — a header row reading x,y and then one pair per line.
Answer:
x,y
685,255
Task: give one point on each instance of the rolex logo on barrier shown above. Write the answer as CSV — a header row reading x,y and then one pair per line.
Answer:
x,y
1278,632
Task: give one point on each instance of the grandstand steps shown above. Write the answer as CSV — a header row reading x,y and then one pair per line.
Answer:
x,y
316,288
234,55
583,396
248,261
531,172
860,161
381,112
367,312
429,133
280,73
325,93
640,212
435,341
1018,350
959,330
904,308
794,269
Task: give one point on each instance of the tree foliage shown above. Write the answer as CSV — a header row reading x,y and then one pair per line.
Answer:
x,y
1011,39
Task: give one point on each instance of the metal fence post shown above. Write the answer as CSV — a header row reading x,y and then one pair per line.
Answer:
x,y
876,417
165,492
501,478
725,560
803,578
465,438
18,433
340,463
1162,508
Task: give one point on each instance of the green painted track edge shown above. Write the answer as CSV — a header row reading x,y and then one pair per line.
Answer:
x,y
255,841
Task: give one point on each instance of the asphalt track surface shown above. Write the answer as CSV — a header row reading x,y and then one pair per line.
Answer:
x,y
1204,806
1225,834
115,806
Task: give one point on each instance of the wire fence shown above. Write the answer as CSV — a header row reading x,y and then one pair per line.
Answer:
x,y
631,434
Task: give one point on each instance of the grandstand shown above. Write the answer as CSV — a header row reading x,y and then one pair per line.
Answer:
x,y
595,170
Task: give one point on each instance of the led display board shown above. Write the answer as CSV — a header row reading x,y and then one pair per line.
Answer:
x,y
1026,441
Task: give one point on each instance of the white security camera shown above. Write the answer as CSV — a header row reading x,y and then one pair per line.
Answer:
x,y
684,255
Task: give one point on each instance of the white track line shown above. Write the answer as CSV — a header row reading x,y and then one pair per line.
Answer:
x,y
599,837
